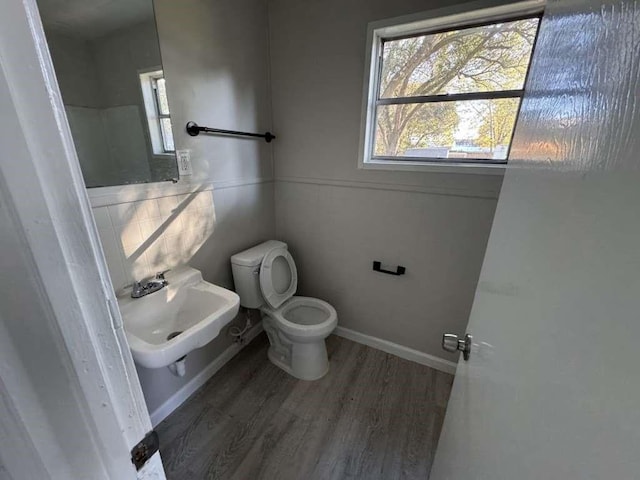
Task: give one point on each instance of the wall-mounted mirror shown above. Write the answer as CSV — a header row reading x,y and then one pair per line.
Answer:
x,y
107,60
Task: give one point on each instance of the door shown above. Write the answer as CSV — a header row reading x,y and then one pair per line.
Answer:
x,y
552,386
71,406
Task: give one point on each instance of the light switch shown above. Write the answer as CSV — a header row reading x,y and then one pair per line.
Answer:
x,y
184,162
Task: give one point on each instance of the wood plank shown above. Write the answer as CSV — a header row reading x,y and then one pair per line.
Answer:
x,y
373,416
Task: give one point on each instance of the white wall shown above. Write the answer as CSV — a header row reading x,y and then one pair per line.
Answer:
x,y
215,59
337,218
43,378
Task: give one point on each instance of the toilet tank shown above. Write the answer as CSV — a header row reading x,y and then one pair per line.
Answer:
x,y
246,272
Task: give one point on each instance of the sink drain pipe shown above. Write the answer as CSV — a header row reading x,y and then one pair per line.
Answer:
x,y
178,367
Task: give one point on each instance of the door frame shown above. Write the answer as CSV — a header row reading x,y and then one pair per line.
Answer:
x,y
43,192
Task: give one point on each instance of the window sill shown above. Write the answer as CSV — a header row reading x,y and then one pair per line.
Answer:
x,y
164,156
434,167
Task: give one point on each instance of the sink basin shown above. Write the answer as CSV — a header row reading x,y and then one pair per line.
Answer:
x,y
164,326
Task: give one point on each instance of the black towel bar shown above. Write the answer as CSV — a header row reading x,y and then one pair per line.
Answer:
x,y
194,130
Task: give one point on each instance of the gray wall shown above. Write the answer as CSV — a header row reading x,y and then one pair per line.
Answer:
x,y
215,85
337,218
75,70
216,61
119,56
99,82
79,83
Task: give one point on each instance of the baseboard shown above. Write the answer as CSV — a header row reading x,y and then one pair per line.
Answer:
x,y
178,398
398,350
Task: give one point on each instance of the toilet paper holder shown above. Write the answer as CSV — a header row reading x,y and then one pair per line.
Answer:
x,y
377,266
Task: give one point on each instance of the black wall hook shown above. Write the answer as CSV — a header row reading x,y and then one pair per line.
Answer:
x,y
377,266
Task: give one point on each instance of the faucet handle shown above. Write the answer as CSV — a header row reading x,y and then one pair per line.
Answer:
x,y
160,275
137,289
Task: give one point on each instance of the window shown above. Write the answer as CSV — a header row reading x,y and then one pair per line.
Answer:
x,y
162,108
154,93
448,91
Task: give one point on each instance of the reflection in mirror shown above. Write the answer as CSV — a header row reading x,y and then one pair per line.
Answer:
x,y
107,61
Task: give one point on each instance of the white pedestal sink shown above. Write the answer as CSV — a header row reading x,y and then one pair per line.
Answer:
x,y
166,325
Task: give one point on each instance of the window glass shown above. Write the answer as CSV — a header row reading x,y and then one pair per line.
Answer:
x,y
477,59
473,129
451,95
167,134
163,103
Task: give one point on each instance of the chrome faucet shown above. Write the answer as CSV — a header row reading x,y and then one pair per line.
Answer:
x,y
145,287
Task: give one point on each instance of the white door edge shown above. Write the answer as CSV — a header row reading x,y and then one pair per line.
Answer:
x,y
45,197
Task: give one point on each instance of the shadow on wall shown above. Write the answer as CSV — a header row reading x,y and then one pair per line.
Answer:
x,y
157,234
202,229
173,239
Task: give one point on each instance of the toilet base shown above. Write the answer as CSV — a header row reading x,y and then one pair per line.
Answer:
x,y
305,375
305,361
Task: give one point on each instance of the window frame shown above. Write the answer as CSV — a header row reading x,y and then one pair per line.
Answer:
x,y
159,115
431,22
150,102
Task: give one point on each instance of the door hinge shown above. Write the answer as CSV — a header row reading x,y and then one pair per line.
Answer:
x,y
144,450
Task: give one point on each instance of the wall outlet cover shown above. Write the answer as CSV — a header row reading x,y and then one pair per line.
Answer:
x,y
184,162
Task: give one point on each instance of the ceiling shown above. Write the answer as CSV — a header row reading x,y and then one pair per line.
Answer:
x,y
91,19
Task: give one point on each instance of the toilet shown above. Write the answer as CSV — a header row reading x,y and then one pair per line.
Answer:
x,y
266,278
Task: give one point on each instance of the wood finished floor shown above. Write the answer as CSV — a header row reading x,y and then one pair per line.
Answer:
x,y
373,416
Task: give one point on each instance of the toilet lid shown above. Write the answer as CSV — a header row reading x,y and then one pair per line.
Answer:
x,y
278,276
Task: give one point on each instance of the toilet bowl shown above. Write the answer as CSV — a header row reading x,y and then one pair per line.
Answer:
x,y
266,278
297,332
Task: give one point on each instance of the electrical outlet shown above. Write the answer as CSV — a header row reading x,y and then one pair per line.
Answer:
x,y
184,162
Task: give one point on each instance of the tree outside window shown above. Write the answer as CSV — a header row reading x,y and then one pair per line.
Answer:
x,y
454,93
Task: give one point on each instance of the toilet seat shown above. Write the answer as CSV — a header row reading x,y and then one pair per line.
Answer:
x,y
272,277
297,318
